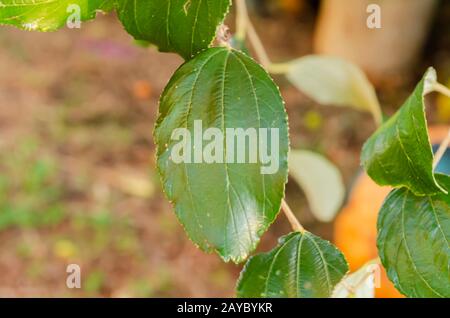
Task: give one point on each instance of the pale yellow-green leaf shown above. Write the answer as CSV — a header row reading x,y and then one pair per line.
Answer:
x,y
334,81
320,180
360,284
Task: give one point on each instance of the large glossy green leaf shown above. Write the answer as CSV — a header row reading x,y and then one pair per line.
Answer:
x,y
224,207
182,26
399,153
413,241
318,178
301,266
334,81
48,15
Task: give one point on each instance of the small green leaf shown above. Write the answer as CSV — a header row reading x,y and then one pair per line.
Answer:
x,y
48,15
413,241
224,206
301,266
318,178
334,81
399,153
186,27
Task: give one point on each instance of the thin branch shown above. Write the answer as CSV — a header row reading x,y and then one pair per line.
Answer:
x,y
296,226
279,68
437,87
241,19
441,151
244,25
258,46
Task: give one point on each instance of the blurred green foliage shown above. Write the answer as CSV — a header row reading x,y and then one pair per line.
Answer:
x,y
29,191
34,198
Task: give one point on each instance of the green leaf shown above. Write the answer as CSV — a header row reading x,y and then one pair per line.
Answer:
x,y
224,207
301,266
334,81
318,178
186,27
399,153
48,15
413,241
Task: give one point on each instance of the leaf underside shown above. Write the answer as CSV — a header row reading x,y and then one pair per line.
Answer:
x,y
316,176
333,81
301,266
413,241
223,207
359,284
399,153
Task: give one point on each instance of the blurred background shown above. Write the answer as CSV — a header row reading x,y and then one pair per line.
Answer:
x,y
77,160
